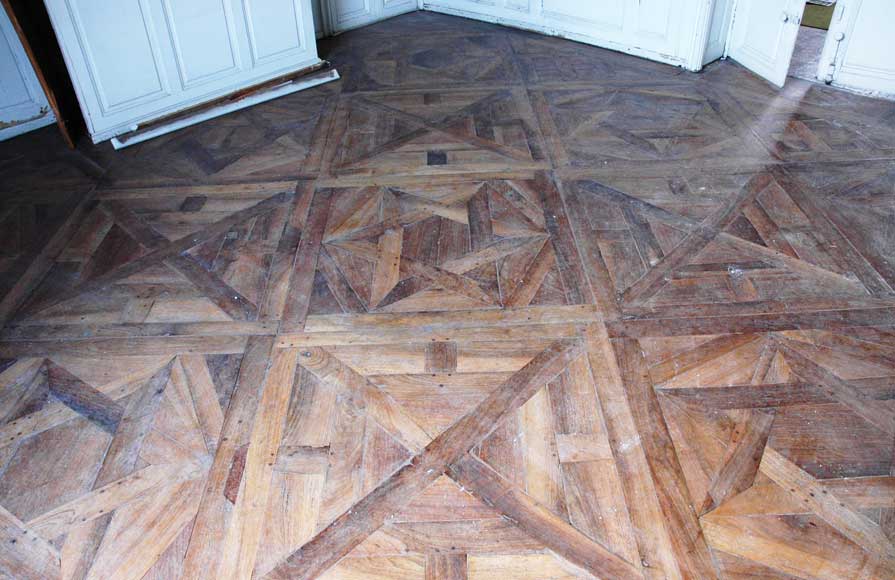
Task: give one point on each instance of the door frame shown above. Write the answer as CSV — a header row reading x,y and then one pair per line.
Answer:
x,y
730,37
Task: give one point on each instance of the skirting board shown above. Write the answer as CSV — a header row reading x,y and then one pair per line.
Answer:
x,y
287,88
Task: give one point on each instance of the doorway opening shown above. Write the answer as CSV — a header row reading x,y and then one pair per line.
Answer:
x,y
811,39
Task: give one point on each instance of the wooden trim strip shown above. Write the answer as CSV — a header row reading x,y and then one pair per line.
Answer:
x,y
696,240
304,266
379,404
369,514
539,522
162,253
688,543
751,323
823,501
79,332
840,390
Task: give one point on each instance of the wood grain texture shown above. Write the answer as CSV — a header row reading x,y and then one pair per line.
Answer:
x,y
496,305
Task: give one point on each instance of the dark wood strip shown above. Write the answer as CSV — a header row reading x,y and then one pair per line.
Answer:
x,y
222,294
758,396
83,398
447,280
211,525
146,346
441,566
378,404
537,521
443,126
526,288
557,223
480,232
751,323
837,244
836,388
75,332
301,281
28,282
742,459
369,514
161,254
441,357
688,543
646,242
702,354
695,241
338,284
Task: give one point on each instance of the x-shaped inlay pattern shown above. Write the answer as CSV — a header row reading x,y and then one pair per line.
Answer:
x,y
447,453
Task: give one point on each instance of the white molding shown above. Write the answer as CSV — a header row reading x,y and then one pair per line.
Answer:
x,y
287,88
671,59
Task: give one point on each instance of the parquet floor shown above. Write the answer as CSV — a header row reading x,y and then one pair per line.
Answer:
x,y
495,306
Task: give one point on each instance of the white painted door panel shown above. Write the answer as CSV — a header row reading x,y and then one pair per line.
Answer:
x,y
764,34
277,28
662,30
204,39
393,7
865,61
23,105
133,61
120,42
605,19
348,14
718,29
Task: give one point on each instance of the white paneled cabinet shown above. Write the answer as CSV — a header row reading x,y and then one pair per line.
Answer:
x,y
344,15
134,61
663,30
23,104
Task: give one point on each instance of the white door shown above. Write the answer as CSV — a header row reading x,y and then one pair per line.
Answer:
x,y
23,105
764,34
133,61
347,14
863,59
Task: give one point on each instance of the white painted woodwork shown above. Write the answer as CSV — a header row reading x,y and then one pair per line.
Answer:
x,y
133,61
23,104
763,36
862,59
671,31
347,14
719,25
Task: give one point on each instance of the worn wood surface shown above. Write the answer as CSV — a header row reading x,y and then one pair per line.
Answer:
x,y
495,305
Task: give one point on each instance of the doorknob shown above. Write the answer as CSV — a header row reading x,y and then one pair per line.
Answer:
x,y
784,17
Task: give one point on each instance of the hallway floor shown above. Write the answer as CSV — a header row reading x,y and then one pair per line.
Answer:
x,y
495,305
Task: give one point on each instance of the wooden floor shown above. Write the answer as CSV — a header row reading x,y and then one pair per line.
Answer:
x,y
495,306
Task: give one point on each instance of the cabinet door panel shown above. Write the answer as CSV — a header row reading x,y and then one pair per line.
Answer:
x,y
23,105
763,36
392,7
203,38
351,13
276,28
866,62
119,41
596,17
